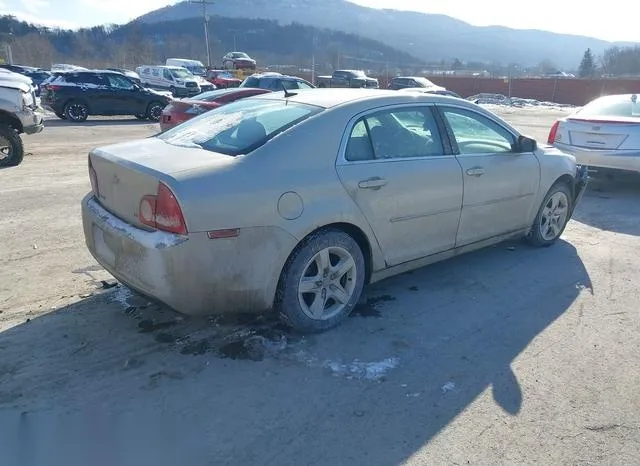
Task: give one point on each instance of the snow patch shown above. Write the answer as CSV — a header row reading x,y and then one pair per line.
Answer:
x,y
371,371
447,387
121,295
488,100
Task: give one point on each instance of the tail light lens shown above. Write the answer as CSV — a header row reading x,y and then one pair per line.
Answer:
x,y
93,176
553,133
52,87
162,211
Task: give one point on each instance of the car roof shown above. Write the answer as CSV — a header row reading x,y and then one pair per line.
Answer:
x,y
328,98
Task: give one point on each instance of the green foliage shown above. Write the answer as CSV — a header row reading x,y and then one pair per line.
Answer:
x,y
588,66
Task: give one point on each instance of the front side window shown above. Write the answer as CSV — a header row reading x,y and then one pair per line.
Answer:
x,y
393,134
240,127
477,134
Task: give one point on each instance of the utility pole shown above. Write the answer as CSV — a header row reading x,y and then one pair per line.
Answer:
x,y
205,17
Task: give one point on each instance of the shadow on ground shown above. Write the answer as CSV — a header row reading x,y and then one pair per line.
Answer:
x,y
612,203
123,380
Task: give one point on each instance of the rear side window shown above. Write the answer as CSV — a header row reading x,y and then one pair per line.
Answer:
x,y
613,106
395,134
239,127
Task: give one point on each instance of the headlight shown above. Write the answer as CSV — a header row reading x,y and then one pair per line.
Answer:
x,y
196,109
179,82
27,99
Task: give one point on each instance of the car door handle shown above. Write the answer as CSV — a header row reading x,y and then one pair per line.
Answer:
x,y
475,171
372,183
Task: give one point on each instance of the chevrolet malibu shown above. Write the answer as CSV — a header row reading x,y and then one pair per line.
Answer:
x,y
294,202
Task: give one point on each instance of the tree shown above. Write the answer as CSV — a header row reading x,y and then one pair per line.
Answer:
x,y
587,65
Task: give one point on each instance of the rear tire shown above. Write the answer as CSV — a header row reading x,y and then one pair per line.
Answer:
x,y
11,148
553,216
321,282
154,111
76,111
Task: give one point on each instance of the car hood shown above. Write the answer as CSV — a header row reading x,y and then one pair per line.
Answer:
x,y
15,84
158,93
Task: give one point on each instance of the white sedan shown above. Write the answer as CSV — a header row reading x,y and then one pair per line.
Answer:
x,y
603,134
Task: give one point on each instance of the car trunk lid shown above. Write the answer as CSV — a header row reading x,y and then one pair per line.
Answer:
x,y
126,172
604,133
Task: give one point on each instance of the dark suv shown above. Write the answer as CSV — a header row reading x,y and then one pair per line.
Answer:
x,y
276,82
76,95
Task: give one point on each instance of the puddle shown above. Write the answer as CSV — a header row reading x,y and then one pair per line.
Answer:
x,y
369,307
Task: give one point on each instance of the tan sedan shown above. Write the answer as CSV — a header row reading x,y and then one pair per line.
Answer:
x,y
293,202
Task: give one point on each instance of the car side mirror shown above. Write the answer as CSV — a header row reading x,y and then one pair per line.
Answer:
x,y
526,144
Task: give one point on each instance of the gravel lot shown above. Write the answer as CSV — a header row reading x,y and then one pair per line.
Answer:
x,y
508,355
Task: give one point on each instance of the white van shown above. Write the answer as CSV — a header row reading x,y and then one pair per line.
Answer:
x,y
196,68
179,81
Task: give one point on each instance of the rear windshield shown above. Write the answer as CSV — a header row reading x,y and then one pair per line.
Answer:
x,y
613,106
240,127
213,95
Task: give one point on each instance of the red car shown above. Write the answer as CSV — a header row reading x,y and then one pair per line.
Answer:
x,y
222,79
238,61
179,111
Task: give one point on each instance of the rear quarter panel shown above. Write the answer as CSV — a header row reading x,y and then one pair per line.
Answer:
x,y
299,164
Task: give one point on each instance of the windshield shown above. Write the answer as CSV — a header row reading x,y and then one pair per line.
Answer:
x,y
240,55
240,127
181,73
613,106
197,70
424,82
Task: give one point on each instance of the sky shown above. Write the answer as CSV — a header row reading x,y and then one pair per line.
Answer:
x,y
565,16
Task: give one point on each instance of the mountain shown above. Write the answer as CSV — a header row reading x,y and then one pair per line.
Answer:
x,y
426,36
139,43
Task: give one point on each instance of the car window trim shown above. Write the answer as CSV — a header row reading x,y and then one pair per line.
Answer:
x,y
440,108
341,159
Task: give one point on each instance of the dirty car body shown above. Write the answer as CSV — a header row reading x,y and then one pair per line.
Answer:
x,y
287,201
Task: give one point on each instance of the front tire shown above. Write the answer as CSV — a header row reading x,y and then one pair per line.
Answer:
x,y
553,216
11,148
321,282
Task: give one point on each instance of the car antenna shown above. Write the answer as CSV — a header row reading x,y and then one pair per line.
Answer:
x,y
287,93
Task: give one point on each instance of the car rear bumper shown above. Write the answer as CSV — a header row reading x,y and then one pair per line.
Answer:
x,y
192,274
620,160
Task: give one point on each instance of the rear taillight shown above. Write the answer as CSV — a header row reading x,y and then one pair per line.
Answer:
x,y
162,211
53,87
553,133
93,176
